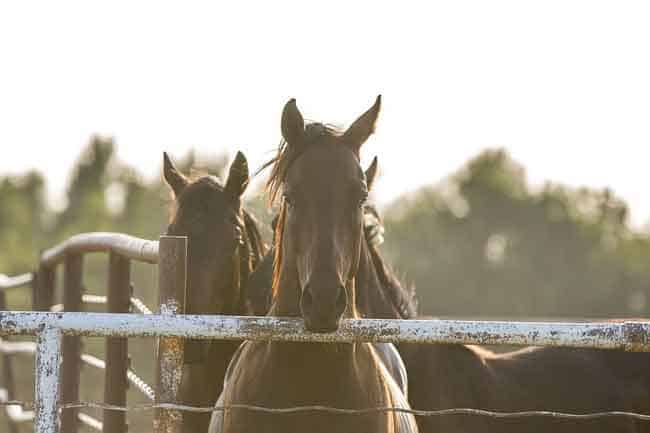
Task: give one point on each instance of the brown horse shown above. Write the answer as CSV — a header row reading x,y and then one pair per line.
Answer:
x,y
457,376
224,245
545,379
318,239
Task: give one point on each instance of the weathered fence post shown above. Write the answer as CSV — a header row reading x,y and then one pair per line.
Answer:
x,y
172,281
8,372
71,371
43,288
117,356
47,380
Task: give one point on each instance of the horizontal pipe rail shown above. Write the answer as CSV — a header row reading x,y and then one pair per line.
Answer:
x,y
132,248
621,335
7,282
85,298
15,413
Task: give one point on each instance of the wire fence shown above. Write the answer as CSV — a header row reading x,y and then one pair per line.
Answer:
x,y
340,411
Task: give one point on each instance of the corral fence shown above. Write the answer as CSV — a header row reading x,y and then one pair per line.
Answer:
x,y
58,329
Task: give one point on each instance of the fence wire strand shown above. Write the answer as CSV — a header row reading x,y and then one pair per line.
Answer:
x,y
341,411
90,422
139,306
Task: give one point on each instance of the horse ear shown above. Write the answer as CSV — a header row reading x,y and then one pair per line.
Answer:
x,y
174,178
237,177
293,125
363,127
371,173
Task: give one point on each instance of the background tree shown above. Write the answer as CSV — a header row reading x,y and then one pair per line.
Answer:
x,y
482,243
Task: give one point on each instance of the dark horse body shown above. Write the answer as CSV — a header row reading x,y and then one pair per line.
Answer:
x,y
224,246
317,256
544,379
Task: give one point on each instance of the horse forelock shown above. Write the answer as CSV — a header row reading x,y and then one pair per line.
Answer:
x,y
287,155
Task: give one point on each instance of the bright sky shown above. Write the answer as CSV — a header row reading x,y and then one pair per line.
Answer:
x,y
563,85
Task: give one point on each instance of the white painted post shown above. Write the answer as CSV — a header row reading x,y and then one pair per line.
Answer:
x,y
48,369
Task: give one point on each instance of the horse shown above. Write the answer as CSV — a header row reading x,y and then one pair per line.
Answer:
x,y
317,252
545,379
466,376
224,246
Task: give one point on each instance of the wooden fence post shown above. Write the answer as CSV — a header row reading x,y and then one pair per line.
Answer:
x,y
172,282
117,355
71,349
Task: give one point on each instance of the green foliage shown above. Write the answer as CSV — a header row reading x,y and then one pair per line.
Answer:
x,y
22,218
483,244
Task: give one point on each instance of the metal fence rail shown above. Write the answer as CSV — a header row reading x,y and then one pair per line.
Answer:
x,y
52,327
620,335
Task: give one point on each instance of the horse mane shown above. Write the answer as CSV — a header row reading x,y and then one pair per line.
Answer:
x,y
403,299
250,255
258,248
286,155
277,257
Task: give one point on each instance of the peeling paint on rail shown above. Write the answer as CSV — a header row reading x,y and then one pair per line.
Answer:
x,y
622,335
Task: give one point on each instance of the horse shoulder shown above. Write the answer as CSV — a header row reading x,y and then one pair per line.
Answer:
x,y
243,362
